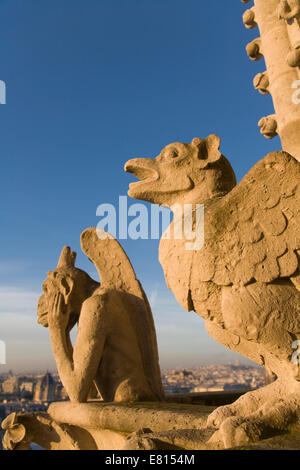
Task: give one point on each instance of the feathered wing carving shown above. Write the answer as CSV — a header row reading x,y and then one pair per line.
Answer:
x,y
253,232
111,261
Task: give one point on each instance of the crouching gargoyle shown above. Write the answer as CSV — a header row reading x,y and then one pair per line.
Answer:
x,y
116,347
245,280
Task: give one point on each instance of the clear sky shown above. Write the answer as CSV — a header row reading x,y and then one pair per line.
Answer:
x,y
90,84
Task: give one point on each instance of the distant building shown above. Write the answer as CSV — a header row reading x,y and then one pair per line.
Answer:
x,y
207,389
212,378
10,386
45,389
26,390
27,386
60,392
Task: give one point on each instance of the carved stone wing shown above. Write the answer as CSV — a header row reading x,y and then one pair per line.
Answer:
x,y
111,261
253,232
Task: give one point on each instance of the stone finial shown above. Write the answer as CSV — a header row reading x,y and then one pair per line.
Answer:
x,y
254,49
279,43
268,126
249,18
261,83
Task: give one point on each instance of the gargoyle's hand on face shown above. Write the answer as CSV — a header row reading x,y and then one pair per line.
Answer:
x,y
42,311
58,318
55,305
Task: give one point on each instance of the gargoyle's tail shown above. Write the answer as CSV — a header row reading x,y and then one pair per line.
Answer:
x,y
116,272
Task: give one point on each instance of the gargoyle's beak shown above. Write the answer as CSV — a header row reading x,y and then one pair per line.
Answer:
x,y
159,183
145,169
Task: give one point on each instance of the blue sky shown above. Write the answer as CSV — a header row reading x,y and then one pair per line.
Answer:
x,y
90,84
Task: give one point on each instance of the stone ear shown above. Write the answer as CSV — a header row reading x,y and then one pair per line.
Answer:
x,y
208,149
196,142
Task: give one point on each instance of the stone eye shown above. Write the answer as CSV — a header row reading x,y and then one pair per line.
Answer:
x,y
172,153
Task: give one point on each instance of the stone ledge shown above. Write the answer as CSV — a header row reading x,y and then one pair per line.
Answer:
x,y
139,426
128,418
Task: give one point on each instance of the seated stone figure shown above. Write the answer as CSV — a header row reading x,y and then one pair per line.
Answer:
x,y
116,348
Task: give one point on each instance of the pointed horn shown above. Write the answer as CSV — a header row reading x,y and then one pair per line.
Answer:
x,y
73,258
65,259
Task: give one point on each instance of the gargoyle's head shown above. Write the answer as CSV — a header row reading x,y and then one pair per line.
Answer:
x,y
182,173
72,283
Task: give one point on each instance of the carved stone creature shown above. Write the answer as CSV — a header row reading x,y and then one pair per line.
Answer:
x,y
116,346
22,429
245,280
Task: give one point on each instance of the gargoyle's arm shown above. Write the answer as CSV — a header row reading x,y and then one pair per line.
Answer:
x,y
78,371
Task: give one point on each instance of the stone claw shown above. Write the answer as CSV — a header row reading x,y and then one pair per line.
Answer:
x,y
217,417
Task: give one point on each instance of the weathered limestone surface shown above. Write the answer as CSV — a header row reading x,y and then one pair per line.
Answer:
x,y
128,418
109,426
244,281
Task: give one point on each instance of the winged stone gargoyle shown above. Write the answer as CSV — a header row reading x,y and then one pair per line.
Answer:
x,y
245,280
115,348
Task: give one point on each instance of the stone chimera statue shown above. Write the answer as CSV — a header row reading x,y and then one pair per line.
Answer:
x,y
245,280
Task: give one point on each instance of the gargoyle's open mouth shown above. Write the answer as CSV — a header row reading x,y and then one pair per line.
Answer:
x,y
144,169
